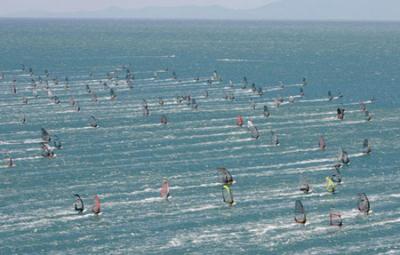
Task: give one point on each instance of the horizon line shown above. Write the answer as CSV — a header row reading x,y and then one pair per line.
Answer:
x,y
202,19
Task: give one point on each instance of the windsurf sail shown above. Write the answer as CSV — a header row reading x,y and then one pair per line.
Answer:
x,y
301,92
112,94
239,121
78,204
304,186
9,161
266,111
56,142
322,144
227,195
194,104
164,191
299,213
254,132
330,185
335,219
366,147
163,119
93,121
244,82
336,176
340,113
145,106
304,81
225,176
47,152
215,76
368,115
94,97
343,156
96,206
275,139
88,89
363,106
45,135
330,97
363,203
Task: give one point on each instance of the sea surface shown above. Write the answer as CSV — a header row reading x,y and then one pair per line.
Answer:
x,y
125,159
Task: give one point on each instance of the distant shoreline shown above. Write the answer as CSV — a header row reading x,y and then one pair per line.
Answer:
x,y
205,20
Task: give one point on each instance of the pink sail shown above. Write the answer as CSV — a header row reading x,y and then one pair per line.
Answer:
x,y
96,206
335,219
164,191
322,144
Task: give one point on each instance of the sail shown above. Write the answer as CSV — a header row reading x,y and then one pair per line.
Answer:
x,y
239,121
227,195
304,185
78,205
330,95
336,176
9,161
275,139
112,94
225,176
266,111
96,206
93,121
164,191
363,106
368,115
254,132
322,144
363,203
330,185
343,156
366,147
163,119
56,142
335,219
47,151
45,135
299,213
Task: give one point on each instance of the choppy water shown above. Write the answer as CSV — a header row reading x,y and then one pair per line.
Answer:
x,y
125,159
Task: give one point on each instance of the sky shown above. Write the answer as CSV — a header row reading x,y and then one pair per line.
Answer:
x,y
15,6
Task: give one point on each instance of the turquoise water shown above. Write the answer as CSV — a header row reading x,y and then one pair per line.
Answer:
x,y
125,159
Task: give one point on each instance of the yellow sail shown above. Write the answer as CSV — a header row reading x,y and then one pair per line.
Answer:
x,y
330,185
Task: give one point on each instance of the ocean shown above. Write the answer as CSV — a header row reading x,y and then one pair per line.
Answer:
x,y
125,159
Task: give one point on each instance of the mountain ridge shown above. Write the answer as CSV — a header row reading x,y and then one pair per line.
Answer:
x,y
374,10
